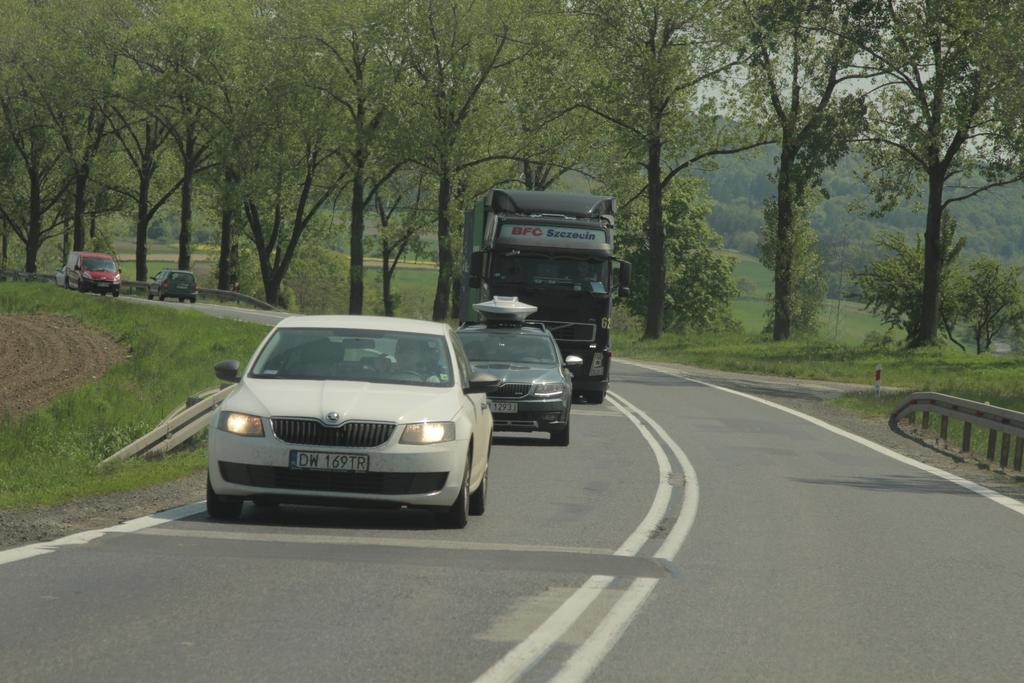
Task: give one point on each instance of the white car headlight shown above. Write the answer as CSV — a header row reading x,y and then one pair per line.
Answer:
x,y
428,432
241,424
548,389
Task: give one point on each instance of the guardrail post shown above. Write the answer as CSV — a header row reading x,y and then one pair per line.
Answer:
x,y
1004,453
912,418
990,453
965,446
944,428
1019,455
926,419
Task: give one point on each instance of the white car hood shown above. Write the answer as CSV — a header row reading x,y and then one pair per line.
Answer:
x,y
351,400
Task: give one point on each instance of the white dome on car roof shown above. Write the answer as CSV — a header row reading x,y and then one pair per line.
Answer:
x,y
508,308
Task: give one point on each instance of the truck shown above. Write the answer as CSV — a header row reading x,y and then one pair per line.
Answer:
x,y
553,250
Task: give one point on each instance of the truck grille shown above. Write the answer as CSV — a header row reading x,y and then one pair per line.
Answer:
x,y
386,483
348,435
511,391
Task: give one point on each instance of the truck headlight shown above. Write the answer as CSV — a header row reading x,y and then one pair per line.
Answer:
x,y
241,424
549,389
428,432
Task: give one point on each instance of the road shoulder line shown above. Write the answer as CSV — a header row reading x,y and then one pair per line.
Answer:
x,y
46,547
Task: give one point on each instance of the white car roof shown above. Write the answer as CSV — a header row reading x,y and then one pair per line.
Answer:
x,y
365,322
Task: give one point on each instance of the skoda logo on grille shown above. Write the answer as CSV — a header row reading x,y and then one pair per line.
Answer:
x,y
333,417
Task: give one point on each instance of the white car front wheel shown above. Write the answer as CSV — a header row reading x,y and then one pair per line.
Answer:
x,y
457,516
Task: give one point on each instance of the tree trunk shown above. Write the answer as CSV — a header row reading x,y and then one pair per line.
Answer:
x,y
225,276
782,318
81,197
355,287
142,228
389,306
444,249
656,239
35,222
928,331
185,236
4,245
271,285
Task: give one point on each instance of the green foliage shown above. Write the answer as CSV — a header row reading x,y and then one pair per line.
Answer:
x,y
699,282
50,454
989,299
892,287
317,280
807,283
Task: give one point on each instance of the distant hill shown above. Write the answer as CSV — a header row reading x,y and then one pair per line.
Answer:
x,y
992,222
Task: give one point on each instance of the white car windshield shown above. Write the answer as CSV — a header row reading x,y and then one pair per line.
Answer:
x,y
380,356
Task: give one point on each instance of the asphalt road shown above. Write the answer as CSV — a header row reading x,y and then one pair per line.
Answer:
x,y
688,533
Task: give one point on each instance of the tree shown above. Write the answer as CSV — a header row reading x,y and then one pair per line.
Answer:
x,y
805,286
699,283
356,72
932,115
403,216
290,163
991,300
180,52
38,178
646,68
450,51
800,53
891,287
75,83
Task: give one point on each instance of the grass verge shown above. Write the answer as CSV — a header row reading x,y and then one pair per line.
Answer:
x,y
50,454
996,379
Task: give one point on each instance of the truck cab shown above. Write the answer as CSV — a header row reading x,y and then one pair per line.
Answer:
x,y
555,251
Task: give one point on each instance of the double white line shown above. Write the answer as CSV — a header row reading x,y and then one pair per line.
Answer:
x,y
599,643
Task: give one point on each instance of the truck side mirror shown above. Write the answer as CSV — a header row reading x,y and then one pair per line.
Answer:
x,y
476,268
625,276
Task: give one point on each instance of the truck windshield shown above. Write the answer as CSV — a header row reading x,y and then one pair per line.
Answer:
x,y
579,275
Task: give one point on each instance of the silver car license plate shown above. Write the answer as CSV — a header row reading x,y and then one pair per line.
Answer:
x,y
328,462
503,406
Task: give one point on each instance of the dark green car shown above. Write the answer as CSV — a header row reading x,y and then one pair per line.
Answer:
x,y
179,284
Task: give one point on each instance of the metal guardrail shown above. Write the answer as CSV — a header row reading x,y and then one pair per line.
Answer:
x,y
183,423
998,421
141,288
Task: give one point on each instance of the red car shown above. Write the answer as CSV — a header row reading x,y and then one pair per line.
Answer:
x,y
89,271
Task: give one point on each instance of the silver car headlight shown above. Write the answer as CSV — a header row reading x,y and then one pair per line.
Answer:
x,y
422,433
241,424
548,389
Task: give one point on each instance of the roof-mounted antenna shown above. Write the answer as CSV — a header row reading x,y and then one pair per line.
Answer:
x,y
505,310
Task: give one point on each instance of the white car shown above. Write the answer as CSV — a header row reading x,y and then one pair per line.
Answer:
x,y
353,411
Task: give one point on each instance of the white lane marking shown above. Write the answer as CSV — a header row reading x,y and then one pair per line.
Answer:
x,y
527,653
983,491
429,544
45,547
600,642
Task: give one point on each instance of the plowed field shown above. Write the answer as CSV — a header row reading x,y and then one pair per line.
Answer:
x,y
42,356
